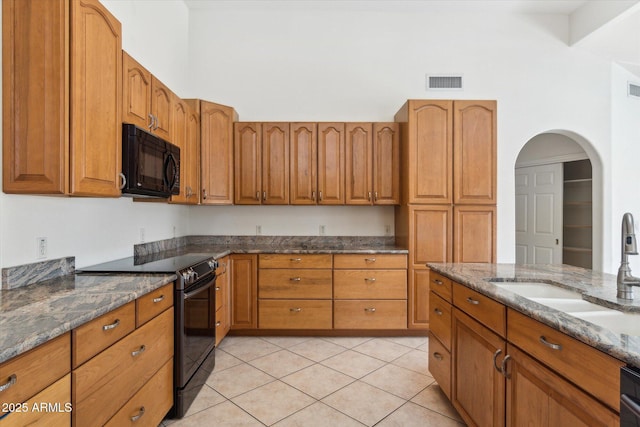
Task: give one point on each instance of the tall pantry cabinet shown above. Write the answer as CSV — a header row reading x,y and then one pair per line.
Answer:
x,y
448,210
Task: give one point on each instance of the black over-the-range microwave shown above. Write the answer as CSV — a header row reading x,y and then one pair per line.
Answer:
x,y
150,165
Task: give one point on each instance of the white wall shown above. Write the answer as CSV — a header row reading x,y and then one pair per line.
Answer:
x,y
92,229
625,113
361,61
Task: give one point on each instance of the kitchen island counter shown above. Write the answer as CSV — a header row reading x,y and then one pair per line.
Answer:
x,y
596,287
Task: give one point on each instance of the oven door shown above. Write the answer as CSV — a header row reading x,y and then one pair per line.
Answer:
x,y
195,328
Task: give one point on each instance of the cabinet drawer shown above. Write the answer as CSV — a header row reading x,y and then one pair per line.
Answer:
x,y
150,404
294,314
370,314
102,385
98,334
222,324
294,283
295,261
370,284
592,370
154,303
440,285
440,364
56,397
490,313
440,319
35,370
369,261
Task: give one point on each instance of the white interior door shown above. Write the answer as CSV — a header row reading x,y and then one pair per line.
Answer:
x,y
539,214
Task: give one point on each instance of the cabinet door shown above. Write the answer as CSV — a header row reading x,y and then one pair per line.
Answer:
x,y
478,389
190,159
418,298
248,170
386,163
474,234
430,151
275,163
331,164
358,168
161,108
536,396
179,115
35,109
136,93
96,117
216,145
304,163
244,291
430,228
474,146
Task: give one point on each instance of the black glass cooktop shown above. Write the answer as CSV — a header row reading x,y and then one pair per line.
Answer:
x,y
147,264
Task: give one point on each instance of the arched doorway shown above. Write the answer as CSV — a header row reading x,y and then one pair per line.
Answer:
x,y
558,189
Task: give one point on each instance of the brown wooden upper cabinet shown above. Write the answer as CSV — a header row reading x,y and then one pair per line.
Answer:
x,y
146,101
186,135
62,128
303,173
435,130
216,151
372,163
474,148
261,163
331,164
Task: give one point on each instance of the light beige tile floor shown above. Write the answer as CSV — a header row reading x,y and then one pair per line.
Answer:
x,y
317,382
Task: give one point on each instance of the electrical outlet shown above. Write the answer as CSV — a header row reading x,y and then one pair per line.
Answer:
x,y
142,234
258,230
41,247
321,230
387,230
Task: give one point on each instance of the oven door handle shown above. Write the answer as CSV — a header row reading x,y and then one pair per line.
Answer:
x,y
630,404
208,284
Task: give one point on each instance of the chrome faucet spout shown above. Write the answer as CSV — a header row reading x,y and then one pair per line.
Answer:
x,y
629,246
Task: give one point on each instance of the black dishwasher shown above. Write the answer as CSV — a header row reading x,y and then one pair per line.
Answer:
x,y
629,397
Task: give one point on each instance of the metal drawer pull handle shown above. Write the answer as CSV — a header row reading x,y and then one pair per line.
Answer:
x,y
218,323
160,298
295,259
369,196
369,279
217,288
139,351
370,310
472,301
495,360
438,282
375,196
295,309
12,380
438,356
503,366
257,195
295,279
438,311
369,260
551,345
111,326
140,414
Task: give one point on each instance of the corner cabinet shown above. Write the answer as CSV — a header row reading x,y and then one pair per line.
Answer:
x,y
61,125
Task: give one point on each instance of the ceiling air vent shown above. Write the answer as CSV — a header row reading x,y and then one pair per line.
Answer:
x,y
444,82
634,90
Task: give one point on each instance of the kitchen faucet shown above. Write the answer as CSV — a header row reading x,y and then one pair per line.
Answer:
x,y
629,247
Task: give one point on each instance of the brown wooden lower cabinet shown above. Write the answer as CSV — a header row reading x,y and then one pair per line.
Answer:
x,y
535,392
370,314
478,390
295,314
500,371
56,411
243,270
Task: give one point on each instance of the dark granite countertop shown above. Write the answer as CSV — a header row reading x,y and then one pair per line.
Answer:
x,y
33,314
595,287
